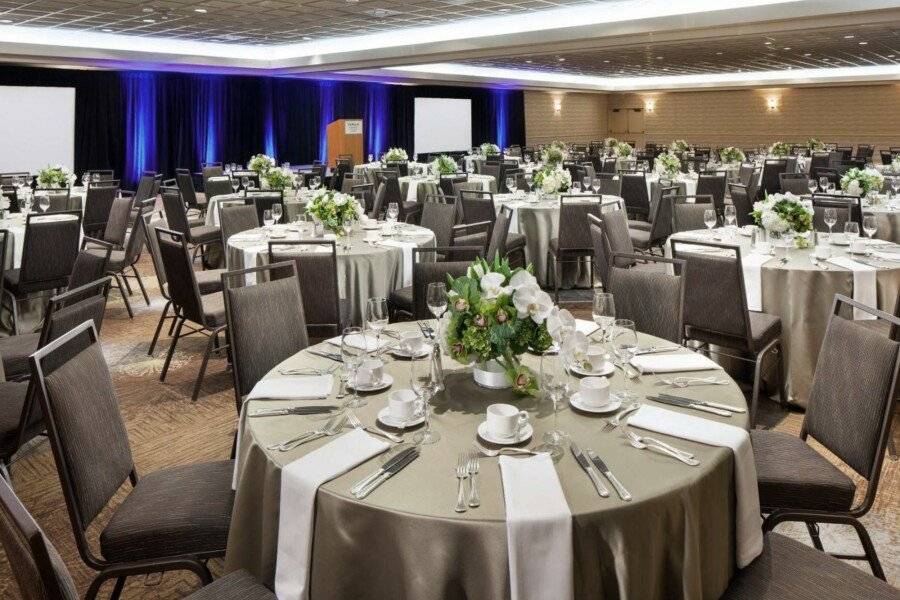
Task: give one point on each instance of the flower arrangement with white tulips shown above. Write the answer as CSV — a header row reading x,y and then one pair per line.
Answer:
x,y
780,213
667,165
279,178
444,165
497,314
859,182
395,155
261,164
552,179
55,177
333,208
780,149
488,149
623,150
730,154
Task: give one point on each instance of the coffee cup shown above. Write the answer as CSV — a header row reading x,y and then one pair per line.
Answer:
x,y
505,420
402,404
858,246
764,247
594,391
370,372
595,357
822,251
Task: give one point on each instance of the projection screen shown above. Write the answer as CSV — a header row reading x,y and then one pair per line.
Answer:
x,y
38,128
442,125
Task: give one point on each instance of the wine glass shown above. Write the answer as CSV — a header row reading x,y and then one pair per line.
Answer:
x,y
245,183
830,219
393,210
624,342
709,218
425,387
511,184
377,316
851,231
436,298
831,187
347,229
44,203
823,184
595,185
811,185
314,182
554,382
603,312
586,183
895,185
268,219
353,351
235,184
371,158
277,211
870,225
529,178
730,215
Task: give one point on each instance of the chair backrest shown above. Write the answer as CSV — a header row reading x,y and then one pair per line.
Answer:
x,y
391,193
182,283
90,265
209,171
713,185
615,233
401,166
634,192
745,172
59,199
497,242
661,217
819,160
573,232
771,182
609,165
688,216
445,184
317,273
714,280
842,202
49,249
153,244
146,187
794,183
365,194
610,186
439,215
841,213
117,225
476,206
263,201
601,260
433,271
69,309
35,564
851,402
185,183
176,214
274,307
217,186
98,203
653,300
743,203
88,437
235,218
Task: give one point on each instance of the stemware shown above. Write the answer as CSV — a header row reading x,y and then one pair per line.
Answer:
x,y
235,184
314,182
603,312
586,183
595,185
851,230
44,203
812,186
425,387
831,187
823,184
554,382
511,184
377,316
624,341
730,215
895,184
245,183
268,219
353,351
277,211
347,229
436,298
830,219
709,218
870,225
529,178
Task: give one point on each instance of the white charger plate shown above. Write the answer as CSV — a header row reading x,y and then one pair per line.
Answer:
x,y
614,404
523,436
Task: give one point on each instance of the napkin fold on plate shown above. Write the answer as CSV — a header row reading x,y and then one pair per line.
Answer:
x,y
538,529
299,482
673,363
406,249
752,264
371,342
304,387
864,286
749,536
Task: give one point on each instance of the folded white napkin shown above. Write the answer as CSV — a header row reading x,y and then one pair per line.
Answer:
x,y
749,536
371,344
752,264
407,257
538,530
673,363
292,388
864,286
895,256
299,482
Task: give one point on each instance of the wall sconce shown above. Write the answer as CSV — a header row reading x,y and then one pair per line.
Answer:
x,y
557,106
772,103
649,105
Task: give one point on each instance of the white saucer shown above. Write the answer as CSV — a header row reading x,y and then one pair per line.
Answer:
x,y
385,418
371,226
401,354
841,241
277,235
607,369
386,382
613,406
524,435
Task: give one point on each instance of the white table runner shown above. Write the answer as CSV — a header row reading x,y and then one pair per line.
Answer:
x,y
864,285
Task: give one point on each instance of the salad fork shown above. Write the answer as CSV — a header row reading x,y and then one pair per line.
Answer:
x,y
462,473
332,427
642,444
354,422
505,450
472,467
614,422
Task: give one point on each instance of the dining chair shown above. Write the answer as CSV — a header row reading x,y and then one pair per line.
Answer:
x,y
90,264
634,192
365,195
122,264
713,185
572,242
209,171
59,199
688,212
653,300
401,166
616,235
185,182
496,249
439,212
646,240
746,172
198,236
446,181
206,312
770,182
266,322
117,224
476,206
236,217
600,264
411,302
717,280
464,236
831,174
263,201
219,185
101,175
742,199
850,420
847,208
794,183
326,313
172,519
98,202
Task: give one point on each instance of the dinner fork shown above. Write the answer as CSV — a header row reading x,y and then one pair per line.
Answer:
x,y
472,467
505,450
461,474
357,424
683,382
332,427
614,422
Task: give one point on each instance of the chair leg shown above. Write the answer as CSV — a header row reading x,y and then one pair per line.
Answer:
x,y
117,589
172,324
165,369
124,295
813,529
127,285
209,348
140,283
14,308
159,325
782,376
869,549
754,399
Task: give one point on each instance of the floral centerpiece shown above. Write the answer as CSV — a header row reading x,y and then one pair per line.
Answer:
x,y
279,178
730,154
859,182
552,179
679,146
261,164
495,315
782,213
333,208
489,149
815,144
667,165
395,155
444,165
553,156
623,150
780,149
55,177
895,164
610,142
560,144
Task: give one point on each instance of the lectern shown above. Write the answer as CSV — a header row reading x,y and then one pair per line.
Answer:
x,y
345,136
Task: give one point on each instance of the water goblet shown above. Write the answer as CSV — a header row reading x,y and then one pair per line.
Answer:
x,y
377,316
555,387
851,231
830,219
624,342
709,218
870,225
823,184
44,203
812,186
511,184
268,219
586,183
277,211
314,182
353,351
603,312
425,387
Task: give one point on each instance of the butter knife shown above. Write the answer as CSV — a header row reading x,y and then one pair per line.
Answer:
x,y
329,355
705,403
388,473
689,404
589,469
601,466
311,409
359,485
657,350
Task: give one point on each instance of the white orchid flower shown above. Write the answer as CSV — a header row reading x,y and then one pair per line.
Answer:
x,y
532,301
492,285
560,323
521,279
574,347
476,270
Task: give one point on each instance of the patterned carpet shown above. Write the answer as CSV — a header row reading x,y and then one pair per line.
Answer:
x,y
166,429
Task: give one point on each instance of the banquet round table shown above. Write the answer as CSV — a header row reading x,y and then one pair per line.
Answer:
x,y
676,538
538,220
802,294
887,216
366,270
687,184
416,187
293,204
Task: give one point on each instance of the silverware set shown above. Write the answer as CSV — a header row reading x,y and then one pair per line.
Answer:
x,y
683,382
426,330
354,422
613,422
723,410
332,427
466,468
657,349
307,371
648,443
591,464
309,409
394,465
506,450
329,355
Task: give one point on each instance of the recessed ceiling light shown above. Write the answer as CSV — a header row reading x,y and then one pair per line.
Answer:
x,y
148,20
807,54
200,10
863,43
849,37
5,20
606,61
890,56
561,59
718,54
659,58
306,37
787,47
768,43
147,10
502,10
528,61
107,30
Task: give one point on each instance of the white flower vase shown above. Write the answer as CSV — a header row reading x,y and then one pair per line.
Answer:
x,y
490,375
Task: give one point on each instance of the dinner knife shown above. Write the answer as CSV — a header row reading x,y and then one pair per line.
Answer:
x,y
725,407
589,469
328,355
311,409
359,485
601,466
689,404
657,350
388,473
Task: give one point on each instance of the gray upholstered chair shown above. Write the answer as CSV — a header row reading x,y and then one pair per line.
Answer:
x,y
770,182
572,242
609,186
851,406
616,235
794,183
173,519
117,225
718,280
273,307
439,215
217,186
365,194
660,223
206,311
198,236
90,264
653,300
601,260
263,201
411,302
235,218
326,314
476,206
633,188
98,201
185,182
60,199
687,215
844,204
497,242
788,569
713,185
745,173
742,198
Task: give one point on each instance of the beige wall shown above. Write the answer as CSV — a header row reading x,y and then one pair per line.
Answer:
x,y
856,114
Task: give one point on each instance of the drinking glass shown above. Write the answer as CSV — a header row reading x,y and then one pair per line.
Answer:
x,y
353,351
576,187
586,183
314,182
44,203
554,382
425,387
22,203
595,185
377,316
831,187
709,218
830,219
895,185
812,186
529,178
85,179
730,215
436,298
851,230
346,229
511,184
823,183
624,341
235,184
870,225
277,211
268,219
603,312
245,183
393,210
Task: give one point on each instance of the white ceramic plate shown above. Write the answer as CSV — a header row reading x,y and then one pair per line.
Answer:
x,y
384,416
524,435
402,354
576,401
606,369
386,382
